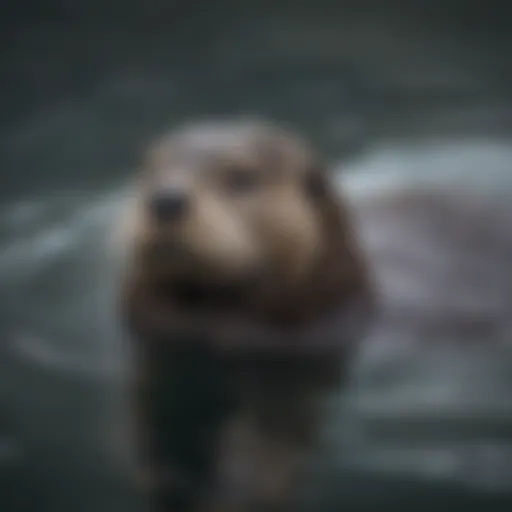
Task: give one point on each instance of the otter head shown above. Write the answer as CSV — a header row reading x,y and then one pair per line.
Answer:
x,y
243,206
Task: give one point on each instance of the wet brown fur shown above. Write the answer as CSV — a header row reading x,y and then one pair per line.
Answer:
x,y
229,402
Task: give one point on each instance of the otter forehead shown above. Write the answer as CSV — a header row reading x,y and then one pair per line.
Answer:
x,y
214,144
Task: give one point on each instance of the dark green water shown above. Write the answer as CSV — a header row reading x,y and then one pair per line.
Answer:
x,y
385,88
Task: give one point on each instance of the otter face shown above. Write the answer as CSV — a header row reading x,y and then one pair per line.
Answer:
x,y
230,202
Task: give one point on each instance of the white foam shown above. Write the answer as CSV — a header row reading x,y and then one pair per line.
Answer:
x,y
480,164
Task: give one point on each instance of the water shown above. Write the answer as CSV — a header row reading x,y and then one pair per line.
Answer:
x,y
394,100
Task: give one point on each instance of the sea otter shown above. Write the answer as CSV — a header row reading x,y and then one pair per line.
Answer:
x,y
245,295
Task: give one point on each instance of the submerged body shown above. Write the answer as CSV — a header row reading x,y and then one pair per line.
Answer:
x,y
442,261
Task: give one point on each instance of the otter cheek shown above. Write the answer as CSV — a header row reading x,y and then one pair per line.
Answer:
x,y
292,232
219,240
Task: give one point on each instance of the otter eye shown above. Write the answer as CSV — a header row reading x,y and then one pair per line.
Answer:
x,y
241,181
315,185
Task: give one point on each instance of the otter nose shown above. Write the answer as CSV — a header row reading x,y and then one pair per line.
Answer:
x,y
170,204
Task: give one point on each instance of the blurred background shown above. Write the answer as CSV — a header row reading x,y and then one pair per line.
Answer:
x,y
388,89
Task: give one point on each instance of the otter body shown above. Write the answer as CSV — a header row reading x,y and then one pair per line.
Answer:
x,y
245,297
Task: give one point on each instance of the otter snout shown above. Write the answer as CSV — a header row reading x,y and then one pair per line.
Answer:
x,y
169,204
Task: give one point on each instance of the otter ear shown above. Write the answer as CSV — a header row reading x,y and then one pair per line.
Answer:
x,y
315,185
316,181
